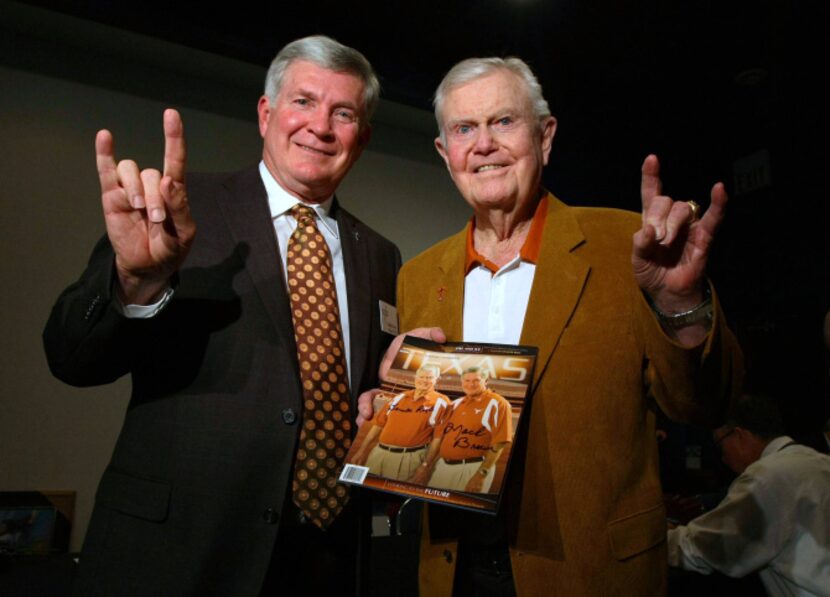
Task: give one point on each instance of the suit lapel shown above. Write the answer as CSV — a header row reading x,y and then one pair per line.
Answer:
x,y
245,209
357,267
557,284
447,293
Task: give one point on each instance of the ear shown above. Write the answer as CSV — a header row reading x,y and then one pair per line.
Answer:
x,y
442,151
263,109
548,131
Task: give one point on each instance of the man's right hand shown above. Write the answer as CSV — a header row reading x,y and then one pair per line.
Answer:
x,y
147,214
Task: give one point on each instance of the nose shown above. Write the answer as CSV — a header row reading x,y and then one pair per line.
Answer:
x,y
485,141
319,123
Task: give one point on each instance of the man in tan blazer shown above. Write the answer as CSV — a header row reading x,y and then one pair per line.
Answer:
x,y
584,515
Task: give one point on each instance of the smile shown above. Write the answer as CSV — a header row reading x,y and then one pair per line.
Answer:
x,y
313,150
489,167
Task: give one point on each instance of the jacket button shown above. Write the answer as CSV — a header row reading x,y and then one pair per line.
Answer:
x,y
270,516
289,417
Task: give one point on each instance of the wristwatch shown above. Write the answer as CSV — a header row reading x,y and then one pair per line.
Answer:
x,y
703,311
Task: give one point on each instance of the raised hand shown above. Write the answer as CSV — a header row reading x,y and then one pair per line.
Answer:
x,y
147,214
672,247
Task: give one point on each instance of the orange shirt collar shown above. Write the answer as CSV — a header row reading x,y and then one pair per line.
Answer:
x,y
530,249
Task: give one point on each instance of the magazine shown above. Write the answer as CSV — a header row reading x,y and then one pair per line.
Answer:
x,y
444,424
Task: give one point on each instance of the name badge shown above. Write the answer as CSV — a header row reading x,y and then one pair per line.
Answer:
x,y
388,318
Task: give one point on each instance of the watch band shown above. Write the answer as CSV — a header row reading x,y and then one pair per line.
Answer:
x,y
703,311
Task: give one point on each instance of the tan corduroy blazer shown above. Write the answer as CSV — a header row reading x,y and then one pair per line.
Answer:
x,y
588,517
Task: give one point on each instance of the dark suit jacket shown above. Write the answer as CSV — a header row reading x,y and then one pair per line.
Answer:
x,y
585,511
191,501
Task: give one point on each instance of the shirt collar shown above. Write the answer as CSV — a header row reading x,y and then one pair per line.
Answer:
x,y
281,201
429,394
529,251
776,444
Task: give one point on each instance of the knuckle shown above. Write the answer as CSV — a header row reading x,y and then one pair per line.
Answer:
x,y
178,200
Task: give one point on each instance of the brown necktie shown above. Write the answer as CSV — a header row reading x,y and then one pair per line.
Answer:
x,y
326,433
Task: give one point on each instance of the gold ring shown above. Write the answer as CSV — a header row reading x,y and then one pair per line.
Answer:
x,y
693,205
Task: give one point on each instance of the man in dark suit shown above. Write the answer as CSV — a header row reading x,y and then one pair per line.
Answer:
x,y
198,498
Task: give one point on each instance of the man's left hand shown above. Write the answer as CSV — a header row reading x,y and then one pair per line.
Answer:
x,y
672,247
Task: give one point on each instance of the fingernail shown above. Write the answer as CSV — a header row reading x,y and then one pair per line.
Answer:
x,y
157,215
138,202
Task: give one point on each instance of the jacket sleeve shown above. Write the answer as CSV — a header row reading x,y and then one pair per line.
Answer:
x,y
692,385
87,342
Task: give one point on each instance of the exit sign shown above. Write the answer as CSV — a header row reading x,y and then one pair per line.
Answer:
x,y
752,172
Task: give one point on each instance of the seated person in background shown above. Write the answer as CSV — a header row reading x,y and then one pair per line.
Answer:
x,y
470,440
396,444
775,518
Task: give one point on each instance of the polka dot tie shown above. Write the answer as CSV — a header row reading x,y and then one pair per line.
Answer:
x,y
326,433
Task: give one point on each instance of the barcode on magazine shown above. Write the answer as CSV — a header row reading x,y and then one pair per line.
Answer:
x,y
354,474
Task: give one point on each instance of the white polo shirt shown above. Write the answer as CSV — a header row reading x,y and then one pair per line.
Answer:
x,y
495,298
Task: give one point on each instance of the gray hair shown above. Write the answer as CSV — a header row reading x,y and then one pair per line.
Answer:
x,y
329,54
474,68
480,371
434,369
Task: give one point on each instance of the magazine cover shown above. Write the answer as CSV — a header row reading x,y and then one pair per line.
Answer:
x,y
443,427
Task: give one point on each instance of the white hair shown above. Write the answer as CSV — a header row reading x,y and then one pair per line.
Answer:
x,y
434,369
474,68
329,54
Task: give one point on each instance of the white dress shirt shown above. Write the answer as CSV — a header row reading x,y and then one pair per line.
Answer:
x,y
774,519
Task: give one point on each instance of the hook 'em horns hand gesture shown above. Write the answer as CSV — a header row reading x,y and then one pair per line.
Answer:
x,y
672,247
147,214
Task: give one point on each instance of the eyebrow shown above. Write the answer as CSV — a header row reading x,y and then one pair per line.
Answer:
x,y
315,96
459,121
493,118
304,91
